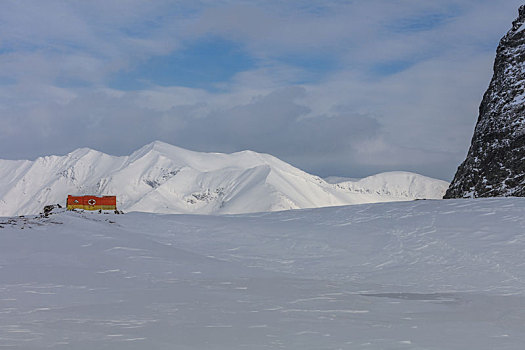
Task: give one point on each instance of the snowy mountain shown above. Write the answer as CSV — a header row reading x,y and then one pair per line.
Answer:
x,y
494,164
163,178
406,275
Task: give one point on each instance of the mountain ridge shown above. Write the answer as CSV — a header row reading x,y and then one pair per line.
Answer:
x,y
163,178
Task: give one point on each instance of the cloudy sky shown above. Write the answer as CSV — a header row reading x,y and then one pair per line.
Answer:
x,y
335,87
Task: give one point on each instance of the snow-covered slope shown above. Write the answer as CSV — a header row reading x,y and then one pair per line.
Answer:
x,y
440,274
395,184
163,178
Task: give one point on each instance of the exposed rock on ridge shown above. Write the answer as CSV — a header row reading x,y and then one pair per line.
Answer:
x,y
495,164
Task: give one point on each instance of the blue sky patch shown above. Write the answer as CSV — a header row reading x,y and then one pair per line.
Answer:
x,y
199,64
420,23
315,66
7,81
390,68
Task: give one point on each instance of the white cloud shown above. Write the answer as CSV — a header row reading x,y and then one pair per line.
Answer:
x,y
57,57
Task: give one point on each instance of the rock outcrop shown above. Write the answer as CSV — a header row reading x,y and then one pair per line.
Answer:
x,y
495,164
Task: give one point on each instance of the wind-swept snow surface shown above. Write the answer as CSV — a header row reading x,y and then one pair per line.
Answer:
x,y
162,178
407,275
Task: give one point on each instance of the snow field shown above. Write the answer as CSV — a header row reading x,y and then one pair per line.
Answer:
x,y
406,275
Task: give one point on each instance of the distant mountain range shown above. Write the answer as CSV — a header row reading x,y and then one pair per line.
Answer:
x,y
162,178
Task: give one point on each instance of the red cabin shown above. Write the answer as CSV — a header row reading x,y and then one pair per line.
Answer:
x,y
92,202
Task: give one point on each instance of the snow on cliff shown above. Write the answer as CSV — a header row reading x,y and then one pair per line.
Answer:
x,y
166,179
494,164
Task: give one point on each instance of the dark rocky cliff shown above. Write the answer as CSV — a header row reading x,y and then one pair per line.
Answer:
x,y
495,164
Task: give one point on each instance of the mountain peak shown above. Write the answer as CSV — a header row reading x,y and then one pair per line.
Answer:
x,y
79,152
517,25
159,146
521,14
156,147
